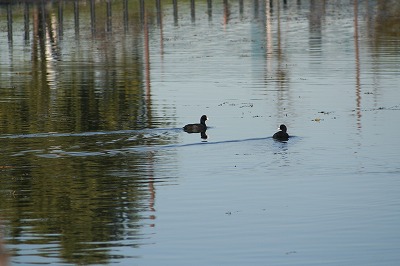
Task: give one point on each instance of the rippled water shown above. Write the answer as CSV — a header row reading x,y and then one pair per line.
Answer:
x,y
96,169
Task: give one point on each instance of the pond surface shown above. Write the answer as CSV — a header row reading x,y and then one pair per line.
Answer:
x,y
96,169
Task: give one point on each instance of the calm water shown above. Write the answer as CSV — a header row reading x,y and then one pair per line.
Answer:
x,y
96,170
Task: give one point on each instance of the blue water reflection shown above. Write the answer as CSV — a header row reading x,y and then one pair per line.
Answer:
x,y
96,169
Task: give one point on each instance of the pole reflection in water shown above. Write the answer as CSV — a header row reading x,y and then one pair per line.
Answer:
x,y
357,64
209,9
142,11
241,8
175,12
109,16
268,37
161,26
158,12
93,16
193,10
147,61
9,23
92,96
126,16
226,12
317,9
76,19
256,8
76,101
60,19
275,64
26,23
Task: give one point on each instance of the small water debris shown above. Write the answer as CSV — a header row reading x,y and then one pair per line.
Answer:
x,y
291,252
246,105
242,105
324,112
391,108
231,212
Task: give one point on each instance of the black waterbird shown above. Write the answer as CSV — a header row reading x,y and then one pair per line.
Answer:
x,y
197,128
282,134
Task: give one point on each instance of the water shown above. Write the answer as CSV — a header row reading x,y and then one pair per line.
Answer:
x,y
95,168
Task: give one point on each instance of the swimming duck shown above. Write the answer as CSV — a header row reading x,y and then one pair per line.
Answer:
x,y
197,128
281,135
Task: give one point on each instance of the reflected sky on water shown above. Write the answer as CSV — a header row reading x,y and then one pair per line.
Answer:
x,y
96,169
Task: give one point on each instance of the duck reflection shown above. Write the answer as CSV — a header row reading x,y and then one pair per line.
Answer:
x,y
203,136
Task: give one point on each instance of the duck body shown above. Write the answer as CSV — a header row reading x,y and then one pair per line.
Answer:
x,y
282,134
197,128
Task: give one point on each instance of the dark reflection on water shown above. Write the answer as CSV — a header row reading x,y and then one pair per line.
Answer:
x,y
75,86
69,193
78,196
90,125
